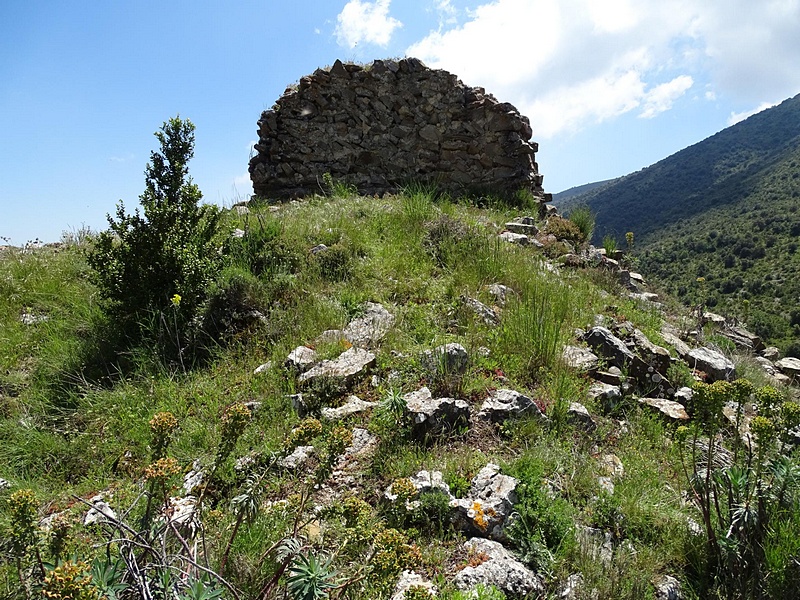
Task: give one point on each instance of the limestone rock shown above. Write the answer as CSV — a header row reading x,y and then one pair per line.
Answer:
x,y
500,293
681,347
580,358
789,366
771,353
263,368
369,329
353,405
489,504
595,543
301,359
668,588
427,482
606,393
684,396
579,416
430,416
669,408
486,314
743,338
712,363
609,346
500,569
297,458
503,404
515,238
450,359
410,579
100,512
350,365
652,354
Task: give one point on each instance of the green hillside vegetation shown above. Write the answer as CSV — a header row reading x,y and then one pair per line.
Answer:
x,y
720,171
562,197
725,210
113,397
746,254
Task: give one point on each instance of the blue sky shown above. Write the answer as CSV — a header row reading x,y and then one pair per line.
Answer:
x,y
610,86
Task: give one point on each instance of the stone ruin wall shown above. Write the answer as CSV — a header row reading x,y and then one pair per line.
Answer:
x,y
382,126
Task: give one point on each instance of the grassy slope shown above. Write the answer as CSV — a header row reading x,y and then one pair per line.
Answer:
x,y
68,431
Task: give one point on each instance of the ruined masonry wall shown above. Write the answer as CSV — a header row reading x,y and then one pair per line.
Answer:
x,y
389,124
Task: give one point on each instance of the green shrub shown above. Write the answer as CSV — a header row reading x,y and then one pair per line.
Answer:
x,y
610,245
159,262
583,217
565,229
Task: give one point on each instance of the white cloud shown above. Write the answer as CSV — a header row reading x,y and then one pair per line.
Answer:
x,y
661,97
741,116
570,63
365,22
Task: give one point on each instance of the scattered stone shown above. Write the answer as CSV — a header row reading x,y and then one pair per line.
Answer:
x,y
579,416
194,478
182,514
237,233
771,353
515,238
579,358
4,484
349,366
609,346
606,485
298,404
668,588
712,363
297,458
743,338
681,347
612,465
669,408
263,368
500,569
570,589
653,355
789,366
318,248
301,359
714,318
363,443
525,228
644,297
500,293
605,393
450,359
353,405
684,396
427,482
435,415
608,377
768,366
369,329
408,580
488,505
504,404
100,512
488,315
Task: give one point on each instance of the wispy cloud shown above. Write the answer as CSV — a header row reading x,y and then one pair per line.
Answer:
x,y
568,64
365,22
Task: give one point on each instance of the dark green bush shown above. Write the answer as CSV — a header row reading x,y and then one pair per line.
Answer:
x,y
153,268
565,229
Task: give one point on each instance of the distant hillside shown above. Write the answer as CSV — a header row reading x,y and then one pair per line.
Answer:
x,y
578,190
720,171
725,210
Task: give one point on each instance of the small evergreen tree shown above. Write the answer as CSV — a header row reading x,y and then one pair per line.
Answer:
x,y
160,263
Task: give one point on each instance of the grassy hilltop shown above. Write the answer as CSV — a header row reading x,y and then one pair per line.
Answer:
x,y
114,398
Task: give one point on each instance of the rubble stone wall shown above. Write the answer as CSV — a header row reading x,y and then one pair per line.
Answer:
x,y
385,125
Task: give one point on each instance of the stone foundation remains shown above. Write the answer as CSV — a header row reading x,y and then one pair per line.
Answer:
x,y
389,124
